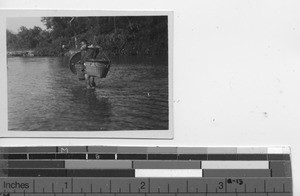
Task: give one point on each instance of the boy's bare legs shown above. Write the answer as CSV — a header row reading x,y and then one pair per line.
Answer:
x,y
92,81
87,81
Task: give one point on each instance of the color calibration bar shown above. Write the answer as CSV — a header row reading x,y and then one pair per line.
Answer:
x,y
143,171
144,162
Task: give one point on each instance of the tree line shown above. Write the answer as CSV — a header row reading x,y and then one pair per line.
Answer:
x,y
122,35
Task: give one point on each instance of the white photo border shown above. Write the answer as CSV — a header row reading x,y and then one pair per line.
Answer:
x,y
124,134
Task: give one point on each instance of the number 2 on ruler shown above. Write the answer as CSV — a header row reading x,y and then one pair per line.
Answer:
x,y
143,184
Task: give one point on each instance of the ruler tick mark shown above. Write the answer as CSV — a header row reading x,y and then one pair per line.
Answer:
x,y
71,185
148,185
187,186
34,186
110,186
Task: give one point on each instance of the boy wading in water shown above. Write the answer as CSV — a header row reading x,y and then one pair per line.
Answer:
x,y
88,52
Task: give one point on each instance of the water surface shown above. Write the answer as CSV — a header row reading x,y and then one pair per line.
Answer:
x,y
43,95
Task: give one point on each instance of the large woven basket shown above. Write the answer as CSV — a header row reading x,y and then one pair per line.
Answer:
x,y
74,60
79,71
97,68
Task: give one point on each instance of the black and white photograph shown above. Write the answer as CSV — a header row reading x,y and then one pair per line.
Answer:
x,y
89,73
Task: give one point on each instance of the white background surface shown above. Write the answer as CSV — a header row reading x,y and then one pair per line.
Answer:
x,y
236,72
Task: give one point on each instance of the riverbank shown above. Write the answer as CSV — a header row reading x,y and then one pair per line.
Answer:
x,y
44,52
48,52
24,53
32,53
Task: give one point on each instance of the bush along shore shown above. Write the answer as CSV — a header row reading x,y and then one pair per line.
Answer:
x,y
133,35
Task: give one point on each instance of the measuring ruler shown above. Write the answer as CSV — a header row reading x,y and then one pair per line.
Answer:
x,y
143,171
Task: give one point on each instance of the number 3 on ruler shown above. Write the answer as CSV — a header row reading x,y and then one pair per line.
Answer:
x,y
221,185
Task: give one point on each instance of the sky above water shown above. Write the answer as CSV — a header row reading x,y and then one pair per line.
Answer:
x,y
14,23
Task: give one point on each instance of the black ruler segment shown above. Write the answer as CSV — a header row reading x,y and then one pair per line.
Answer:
x,y
35,172
35,164
132,156
192,157
101,173
68,173
252,157
278,157
13,156
70,156
162,156
281,168
222,157
102,156
42,156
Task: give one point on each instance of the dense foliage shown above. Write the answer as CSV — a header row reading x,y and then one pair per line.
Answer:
x,y
132,35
